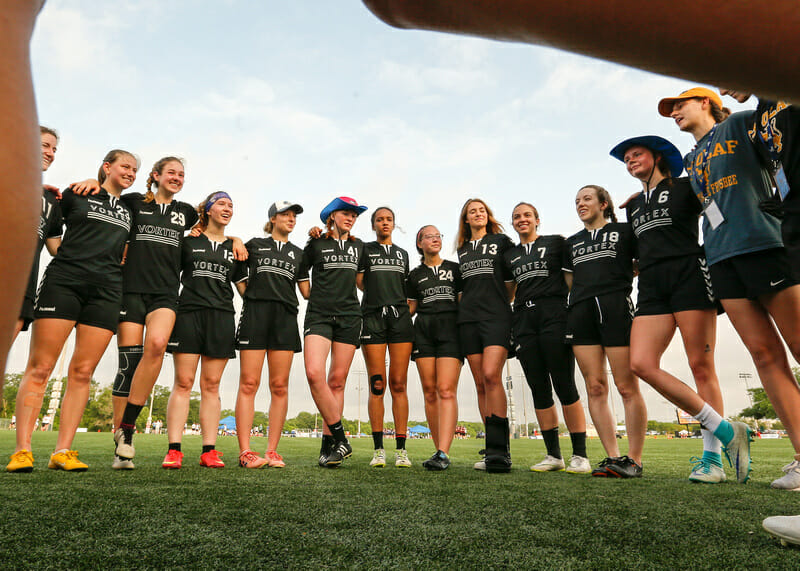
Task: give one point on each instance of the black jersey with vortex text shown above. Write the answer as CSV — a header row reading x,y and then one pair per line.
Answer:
x,y
206,274
271,270
385,268
91,250
50,226
601,261
435,288
483,276
536,268
333,265
665,221
153,261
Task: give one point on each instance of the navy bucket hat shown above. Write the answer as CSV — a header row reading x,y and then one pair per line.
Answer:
x,y
656,144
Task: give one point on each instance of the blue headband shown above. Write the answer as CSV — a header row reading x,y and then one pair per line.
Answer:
x,y
216,196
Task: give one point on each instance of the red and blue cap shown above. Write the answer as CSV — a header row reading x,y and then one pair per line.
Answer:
x,y
340,203
656,144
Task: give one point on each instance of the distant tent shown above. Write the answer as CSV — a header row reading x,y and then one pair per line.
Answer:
x,y
419,429
228,423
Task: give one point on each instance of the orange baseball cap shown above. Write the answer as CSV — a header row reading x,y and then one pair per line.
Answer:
x,y
665,105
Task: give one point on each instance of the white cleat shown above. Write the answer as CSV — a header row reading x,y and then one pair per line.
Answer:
x,y
480,465
791,480
401,459
579,465
123,449
378,458
122,463
549,464
784,527
705,472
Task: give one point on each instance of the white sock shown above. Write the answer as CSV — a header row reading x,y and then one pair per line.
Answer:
x,y
710,442
709,418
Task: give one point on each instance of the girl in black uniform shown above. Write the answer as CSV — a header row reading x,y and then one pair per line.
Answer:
x,y
432,288
386,324
151,277
81,289
484,319
268,328
540,319
674,283
600,260
204,330
333,319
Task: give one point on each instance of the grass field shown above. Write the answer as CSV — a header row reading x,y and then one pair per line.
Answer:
x,y
355,517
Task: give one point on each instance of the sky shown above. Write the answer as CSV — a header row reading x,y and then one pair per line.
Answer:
x,y
312,99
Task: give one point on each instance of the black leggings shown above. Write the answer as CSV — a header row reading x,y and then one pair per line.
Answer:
x,y
547,360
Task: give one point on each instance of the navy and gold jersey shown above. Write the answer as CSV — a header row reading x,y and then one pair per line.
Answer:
x,y
332,266
153,261
665,222
536,268
207,271
601,261
385,267
483,276
435,288
777,124
91,250
271,270
50,226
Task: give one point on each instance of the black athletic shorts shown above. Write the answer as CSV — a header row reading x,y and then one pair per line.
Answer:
x,y
207,332
603,320
436,335
390,324
268,325
475,336
790,230
546,317
752,275
337,328
26,313
673,285
137,306
84,303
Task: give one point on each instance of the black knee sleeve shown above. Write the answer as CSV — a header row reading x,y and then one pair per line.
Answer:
x,y
373,385
561,364
536,374
129,358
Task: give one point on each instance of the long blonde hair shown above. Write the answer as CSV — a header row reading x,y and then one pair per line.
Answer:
x,y
465,232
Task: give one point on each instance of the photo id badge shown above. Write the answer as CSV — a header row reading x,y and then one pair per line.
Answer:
x,y
713,214
782,183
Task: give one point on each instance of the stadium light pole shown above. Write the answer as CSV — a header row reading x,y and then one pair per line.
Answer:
x,y
746,377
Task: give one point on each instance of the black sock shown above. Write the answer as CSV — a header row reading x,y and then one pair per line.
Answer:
x,y
327,444
551,442
131,414
175,446
578,443
207,448
377,439
337,431
401,441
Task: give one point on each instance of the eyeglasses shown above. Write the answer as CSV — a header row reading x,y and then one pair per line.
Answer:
x,y
432,236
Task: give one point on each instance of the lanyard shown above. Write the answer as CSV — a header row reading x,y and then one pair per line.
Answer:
x,y
702,180
768,139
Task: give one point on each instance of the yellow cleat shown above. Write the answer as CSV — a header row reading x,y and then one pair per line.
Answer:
x,y
21,461
67,460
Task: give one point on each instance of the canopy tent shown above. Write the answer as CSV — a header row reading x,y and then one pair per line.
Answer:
x,y
228,423
420,429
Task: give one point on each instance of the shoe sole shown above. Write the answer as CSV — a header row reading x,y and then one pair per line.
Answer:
x,y
578,471
170,467
547,469
377,465
122,467
57,467
24,470
785,540
207,466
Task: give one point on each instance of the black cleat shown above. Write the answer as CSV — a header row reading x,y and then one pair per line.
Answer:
x,y
624,467
437,462
602,468
341,450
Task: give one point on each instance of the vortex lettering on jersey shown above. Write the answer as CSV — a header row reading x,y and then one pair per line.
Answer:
x,y
484,263
389,262
340,258
530,266
592,248
442,289
211,267
158,231
276,262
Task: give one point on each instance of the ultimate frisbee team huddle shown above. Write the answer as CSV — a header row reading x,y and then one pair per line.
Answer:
x,y
160,274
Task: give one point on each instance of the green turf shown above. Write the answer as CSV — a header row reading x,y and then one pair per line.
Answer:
x,y
357,517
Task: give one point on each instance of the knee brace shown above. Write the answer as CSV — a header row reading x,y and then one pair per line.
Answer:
x,y
129,358
376,385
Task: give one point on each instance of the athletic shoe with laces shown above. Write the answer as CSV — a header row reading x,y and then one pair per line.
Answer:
x,y
66,460
480,465
249,459
791,479
401,459
737,451
341,450
549,464
21,461
173,460
211,459
124,443
625,467
378,458
275,460
579,465
784,527
705,472
602,468
437,462
120,463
